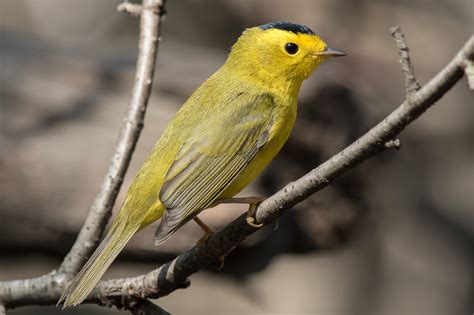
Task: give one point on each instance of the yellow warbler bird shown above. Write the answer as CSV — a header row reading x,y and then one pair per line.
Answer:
x,y
219,141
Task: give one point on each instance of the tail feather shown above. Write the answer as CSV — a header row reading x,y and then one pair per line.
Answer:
x,y
168,226
94,269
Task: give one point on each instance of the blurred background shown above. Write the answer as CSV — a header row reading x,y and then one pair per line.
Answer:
x,y
394,236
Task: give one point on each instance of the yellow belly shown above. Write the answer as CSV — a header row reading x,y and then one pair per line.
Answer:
x,y
278,135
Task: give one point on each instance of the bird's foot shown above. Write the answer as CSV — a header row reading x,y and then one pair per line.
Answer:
x,y
251,214
208,233
253,203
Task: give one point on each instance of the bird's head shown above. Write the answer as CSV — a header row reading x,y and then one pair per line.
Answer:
x,y
279,51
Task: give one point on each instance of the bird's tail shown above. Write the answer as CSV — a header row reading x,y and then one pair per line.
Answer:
x,y
118,236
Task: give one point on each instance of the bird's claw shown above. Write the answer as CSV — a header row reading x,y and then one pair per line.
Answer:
x,y
203,240
251,215
251,222
222,261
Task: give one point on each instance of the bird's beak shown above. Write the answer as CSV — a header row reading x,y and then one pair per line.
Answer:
x,y
330,52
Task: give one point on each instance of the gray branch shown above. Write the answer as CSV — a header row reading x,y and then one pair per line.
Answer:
x,y
48,287
131,8
469,71
411,85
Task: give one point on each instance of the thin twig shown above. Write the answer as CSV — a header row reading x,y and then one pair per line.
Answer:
x,y
411,85
131,8
48,287
469,71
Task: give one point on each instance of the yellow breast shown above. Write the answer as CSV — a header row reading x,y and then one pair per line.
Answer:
x,y
285,116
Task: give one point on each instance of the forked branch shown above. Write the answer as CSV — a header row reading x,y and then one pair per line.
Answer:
x,y
469,71
411,84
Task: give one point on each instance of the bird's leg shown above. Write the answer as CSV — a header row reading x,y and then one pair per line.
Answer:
x,y
208,232
253,203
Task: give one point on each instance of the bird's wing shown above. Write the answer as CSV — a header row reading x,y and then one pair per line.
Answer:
x,y
208,163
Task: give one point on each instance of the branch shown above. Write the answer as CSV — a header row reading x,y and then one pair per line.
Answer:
x,y
48,287
411,85
131,8
101,209
174,275
469,71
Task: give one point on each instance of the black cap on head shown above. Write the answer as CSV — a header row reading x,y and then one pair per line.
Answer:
x,y
287,26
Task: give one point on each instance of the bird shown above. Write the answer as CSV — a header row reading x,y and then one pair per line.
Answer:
x,y
222,137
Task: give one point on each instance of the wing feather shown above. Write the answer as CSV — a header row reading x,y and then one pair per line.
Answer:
x,y
206,166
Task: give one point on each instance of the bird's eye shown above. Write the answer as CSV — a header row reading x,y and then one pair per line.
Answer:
x,y
291,48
